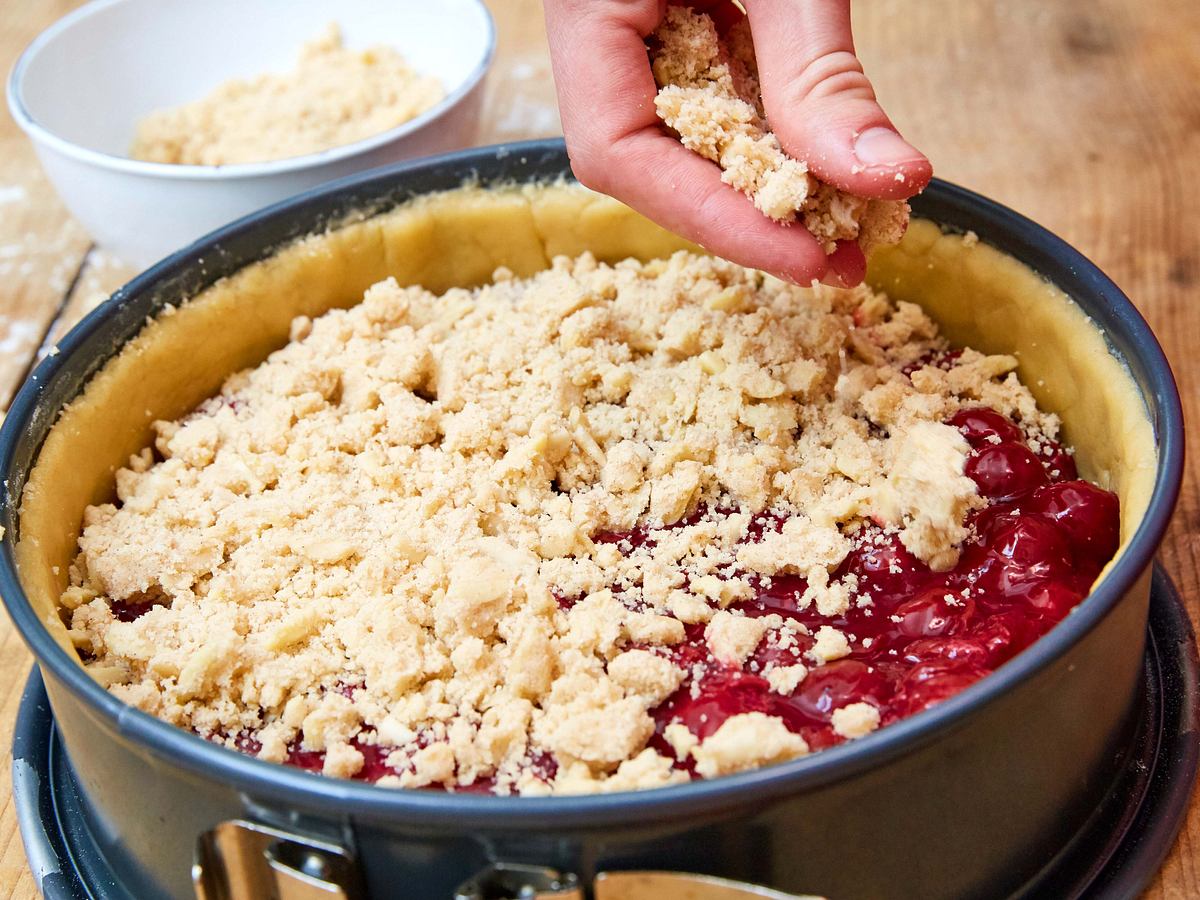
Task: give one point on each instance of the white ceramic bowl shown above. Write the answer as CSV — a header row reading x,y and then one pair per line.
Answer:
x,y
79,89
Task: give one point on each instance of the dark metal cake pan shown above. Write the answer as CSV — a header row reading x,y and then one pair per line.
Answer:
x,y
970,799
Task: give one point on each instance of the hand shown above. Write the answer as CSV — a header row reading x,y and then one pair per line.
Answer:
x,y
820,105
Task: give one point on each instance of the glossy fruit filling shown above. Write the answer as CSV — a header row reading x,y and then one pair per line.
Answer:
x,y
1036,549
917,637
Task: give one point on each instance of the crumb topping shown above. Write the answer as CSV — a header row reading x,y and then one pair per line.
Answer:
x,y
746,741
709,96
333,96
855,720
462,533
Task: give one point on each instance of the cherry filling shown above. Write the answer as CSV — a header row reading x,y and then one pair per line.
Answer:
x,y
377,763
917,637
137,605
924,636
939,359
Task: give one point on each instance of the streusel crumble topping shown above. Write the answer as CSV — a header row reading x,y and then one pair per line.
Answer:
x,y
333,96
503,536
709,96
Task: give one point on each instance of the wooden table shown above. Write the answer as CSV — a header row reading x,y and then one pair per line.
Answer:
x,y
1082,114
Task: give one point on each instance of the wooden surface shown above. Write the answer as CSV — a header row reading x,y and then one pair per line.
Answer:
x,y
1082,114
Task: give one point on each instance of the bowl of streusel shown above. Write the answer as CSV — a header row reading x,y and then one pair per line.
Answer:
x,y
160,121
461,519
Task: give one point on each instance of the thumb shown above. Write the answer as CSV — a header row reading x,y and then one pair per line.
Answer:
x,y
820,104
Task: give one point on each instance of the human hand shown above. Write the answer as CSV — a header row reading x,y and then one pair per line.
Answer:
x,y
819,102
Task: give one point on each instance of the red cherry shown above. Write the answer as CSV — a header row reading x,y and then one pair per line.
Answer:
x,y
375,764
979,423
885,568
310,760
1088,515
127,611
693,649
956,649
783,594
1019,554
769,652
636,538
244,743
1032,544
929,615
930,683
723,692
836,684
766,522
1052,600
1060,465
939,359
1005,634
986,521
1005,471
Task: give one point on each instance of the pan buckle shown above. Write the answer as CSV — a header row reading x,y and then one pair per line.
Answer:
x,y
240,859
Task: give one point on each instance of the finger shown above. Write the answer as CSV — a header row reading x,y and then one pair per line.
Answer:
x,y
821,105
684,193
606,98
601,72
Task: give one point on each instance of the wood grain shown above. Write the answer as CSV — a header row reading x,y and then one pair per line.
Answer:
x,y
41,247
1082,114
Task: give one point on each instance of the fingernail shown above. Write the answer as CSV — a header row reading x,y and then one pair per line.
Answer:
x,y
883,147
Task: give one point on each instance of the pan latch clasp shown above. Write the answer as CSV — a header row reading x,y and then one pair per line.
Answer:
x,y
240,859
